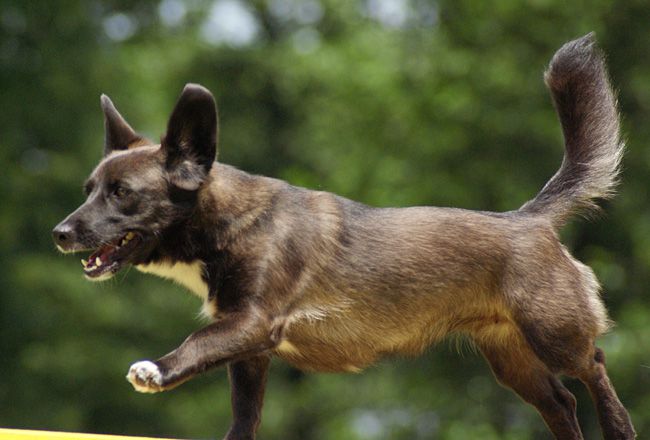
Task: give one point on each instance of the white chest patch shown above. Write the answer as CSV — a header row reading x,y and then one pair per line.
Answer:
x,y
185,274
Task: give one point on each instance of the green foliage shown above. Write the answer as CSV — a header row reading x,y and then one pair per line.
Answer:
x,y
438,103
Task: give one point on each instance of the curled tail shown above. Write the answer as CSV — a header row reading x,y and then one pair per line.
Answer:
x,y
586,105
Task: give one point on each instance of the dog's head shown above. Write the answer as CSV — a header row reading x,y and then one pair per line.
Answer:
x,y
139,190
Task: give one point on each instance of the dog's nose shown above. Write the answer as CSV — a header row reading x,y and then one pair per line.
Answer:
x,y
63,235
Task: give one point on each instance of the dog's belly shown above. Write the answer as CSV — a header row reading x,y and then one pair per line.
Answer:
x,y
320,357
341,344
353,335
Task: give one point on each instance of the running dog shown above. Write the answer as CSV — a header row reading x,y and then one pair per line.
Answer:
x,y
329,284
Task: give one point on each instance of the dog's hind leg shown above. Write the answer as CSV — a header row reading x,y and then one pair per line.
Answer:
x,y
577,357
613,417
247,383
568,348
517,367
564,342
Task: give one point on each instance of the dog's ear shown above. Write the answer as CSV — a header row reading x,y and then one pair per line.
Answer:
x,y
118,134
190,143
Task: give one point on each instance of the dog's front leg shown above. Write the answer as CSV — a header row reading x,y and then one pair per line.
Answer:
x,y
234,337
247,383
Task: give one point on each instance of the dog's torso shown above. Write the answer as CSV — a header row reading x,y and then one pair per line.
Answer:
x,y
345,284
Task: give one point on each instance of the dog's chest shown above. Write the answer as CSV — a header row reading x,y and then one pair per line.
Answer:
x,y
189,275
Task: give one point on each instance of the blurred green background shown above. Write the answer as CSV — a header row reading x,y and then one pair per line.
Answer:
x,y
390,102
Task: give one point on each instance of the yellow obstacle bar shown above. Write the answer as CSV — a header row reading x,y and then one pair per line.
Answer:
x,y
23,434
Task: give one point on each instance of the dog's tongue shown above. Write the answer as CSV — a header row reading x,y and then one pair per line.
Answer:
x,y
103,253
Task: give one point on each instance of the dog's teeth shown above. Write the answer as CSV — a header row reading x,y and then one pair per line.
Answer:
x,y
128,237
98,261
84,262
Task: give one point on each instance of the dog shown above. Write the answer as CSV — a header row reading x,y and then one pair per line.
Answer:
x,y
329,284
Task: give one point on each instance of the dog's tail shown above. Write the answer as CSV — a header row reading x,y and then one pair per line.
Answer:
x,y
586,105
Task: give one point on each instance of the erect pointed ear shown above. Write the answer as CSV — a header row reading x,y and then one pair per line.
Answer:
x,y
118,134
190,143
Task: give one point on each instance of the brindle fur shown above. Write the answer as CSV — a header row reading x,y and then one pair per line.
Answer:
x,y
329,284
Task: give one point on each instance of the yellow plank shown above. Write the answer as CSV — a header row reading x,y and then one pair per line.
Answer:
x,y
24,434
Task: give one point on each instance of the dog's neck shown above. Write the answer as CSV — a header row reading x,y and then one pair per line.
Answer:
x,y
232,201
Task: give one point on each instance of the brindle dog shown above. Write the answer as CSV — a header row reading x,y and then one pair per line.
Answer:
x,y
328,284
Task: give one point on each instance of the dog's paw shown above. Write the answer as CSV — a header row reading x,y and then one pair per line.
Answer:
x,y
145,376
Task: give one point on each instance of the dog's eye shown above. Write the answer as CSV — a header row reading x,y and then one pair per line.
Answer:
x,y
120,192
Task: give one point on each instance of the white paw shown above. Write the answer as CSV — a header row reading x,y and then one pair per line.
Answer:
x,y
145,377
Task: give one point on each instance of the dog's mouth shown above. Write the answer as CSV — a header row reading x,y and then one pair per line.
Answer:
x,y
109,258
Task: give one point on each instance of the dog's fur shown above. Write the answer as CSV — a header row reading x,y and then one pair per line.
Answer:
x,y
328,284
